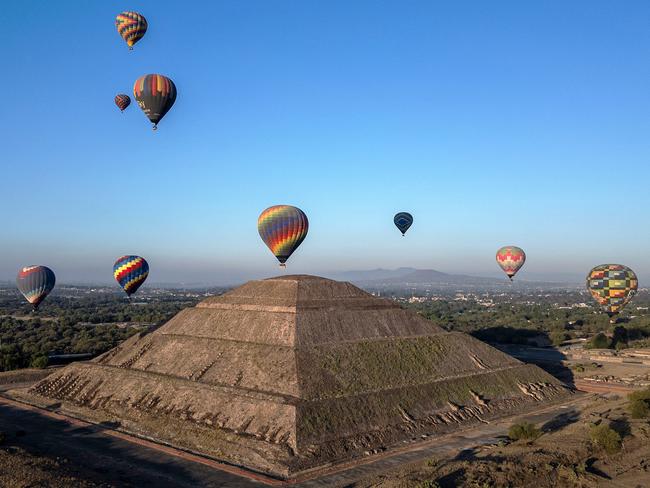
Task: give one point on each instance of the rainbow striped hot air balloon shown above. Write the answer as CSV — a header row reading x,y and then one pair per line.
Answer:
x,y
131,26
282,228
130,272
511,259
155,95
612,286
35,283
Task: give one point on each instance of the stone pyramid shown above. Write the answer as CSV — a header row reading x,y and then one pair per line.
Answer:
x,y
291,373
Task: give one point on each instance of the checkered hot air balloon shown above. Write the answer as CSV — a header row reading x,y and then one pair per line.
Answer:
x,y
130,272
131,26
35,283
155,95
403,220
282,228
612,286
122,101
511,259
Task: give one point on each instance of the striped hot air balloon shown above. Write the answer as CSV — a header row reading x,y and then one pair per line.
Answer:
x,y
131,26
282,228
130,272
511,259
122,101
612,286
35,283
155,95
403,220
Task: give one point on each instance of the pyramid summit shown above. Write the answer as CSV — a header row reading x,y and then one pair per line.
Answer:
x,y
291,373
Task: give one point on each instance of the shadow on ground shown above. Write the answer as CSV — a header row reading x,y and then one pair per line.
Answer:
x,y
514,342
560,421
105,459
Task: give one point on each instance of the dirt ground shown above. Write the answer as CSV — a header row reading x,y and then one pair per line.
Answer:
x,y
12,378
19,469
562,457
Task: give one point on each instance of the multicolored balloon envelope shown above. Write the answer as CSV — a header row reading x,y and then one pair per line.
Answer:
x,y
282,228
613,286
35,283
122,101
511,259
130,272
131,26
155,95
403,220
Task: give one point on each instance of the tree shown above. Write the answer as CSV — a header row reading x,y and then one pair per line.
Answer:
x,y
639,404
599,341
11,357
606,438
620,337
39,362
558,337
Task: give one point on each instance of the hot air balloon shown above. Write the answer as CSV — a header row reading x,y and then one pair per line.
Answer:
x,y
130,272
122,101
511,259
403,220
155,94
131,26
613,286
35,283
282,228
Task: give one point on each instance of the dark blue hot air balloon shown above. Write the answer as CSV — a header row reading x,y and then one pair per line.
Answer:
x,y
403,220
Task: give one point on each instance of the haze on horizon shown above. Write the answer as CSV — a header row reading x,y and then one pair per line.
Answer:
x,y
493,124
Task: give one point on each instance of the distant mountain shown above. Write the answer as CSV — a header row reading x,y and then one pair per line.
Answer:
x,y
407,275
371,274
419,277
425,276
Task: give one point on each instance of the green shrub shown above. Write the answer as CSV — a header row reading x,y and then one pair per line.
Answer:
x,y
39,362
432,462
558,337
428,484
524,430
606,438
639,405
599,341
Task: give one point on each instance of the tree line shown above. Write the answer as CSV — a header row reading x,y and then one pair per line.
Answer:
x,y
90,324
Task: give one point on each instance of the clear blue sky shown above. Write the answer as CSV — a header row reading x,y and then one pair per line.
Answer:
x,y
494,123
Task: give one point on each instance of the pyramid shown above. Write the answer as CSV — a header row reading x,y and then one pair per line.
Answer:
x,y
296,372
